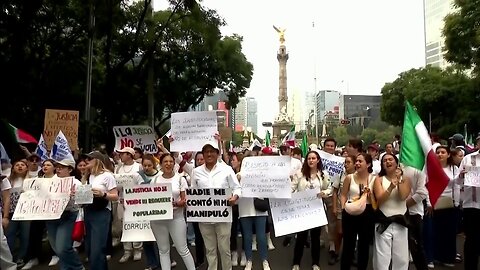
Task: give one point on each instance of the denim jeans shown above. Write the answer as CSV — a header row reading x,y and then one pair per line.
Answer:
x,y
428,238
60,238
6,259
97,223
151,254
190,233
259,223
22,228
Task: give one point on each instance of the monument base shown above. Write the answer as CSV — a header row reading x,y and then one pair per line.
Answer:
x,y
278,127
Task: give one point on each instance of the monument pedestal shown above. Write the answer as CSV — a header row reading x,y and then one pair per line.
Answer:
x,y
278,127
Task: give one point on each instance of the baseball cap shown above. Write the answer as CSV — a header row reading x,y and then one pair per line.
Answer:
x,y
211,144
373,146
67,163
457,137
98,155
129,150
267,150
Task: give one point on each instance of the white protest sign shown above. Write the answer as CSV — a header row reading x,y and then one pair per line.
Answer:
x,y
148,202
208,205
126,180
43,198
334,165
472,176
191,130
142,137
266,177
302,212
84,194
137,231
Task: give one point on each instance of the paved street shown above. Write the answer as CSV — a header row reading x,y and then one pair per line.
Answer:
x,y
280,259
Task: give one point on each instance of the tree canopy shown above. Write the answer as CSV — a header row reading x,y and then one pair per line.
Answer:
x,y
180,51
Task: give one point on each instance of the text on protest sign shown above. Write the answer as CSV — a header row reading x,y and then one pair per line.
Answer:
x,y
191,130
142,137
302,212
472,176
148,202
208,205
266,177
332,164
43,198
137,231
126,180
84,194
64,120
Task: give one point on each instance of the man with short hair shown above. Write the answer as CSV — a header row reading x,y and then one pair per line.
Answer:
x,y
216,174
329,145
354,147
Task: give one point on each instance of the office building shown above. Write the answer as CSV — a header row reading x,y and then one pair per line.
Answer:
x,y
359,109
326,100
435,11
245,115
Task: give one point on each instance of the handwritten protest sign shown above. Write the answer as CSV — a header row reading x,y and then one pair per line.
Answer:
x,y
472,176
266,177
142,137
148,202
43,198
302,212
137,231
126,180
209,205
334,165
64,120
84,194
191,130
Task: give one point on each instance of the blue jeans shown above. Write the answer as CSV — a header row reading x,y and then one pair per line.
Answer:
x,y
428,238
22,228
190,233
60,238
97,223
248,223
152,255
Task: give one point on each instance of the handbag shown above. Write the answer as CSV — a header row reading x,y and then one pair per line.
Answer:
x,y
79,227
357,207
261,205
443,203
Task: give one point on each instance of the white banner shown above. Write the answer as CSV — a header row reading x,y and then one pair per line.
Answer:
x,y
191,130
142,137
302,212
43,198
472,176
334,165
266,177
148,202
137,231
209,205
126,180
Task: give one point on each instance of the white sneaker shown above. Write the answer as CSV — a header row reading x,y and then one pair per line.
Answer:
x,y
234,258
173,264
254,243
243,260
192,244
126,256
296,267
137,255
248,266
266,266
270,244
431,265
315,267
108,257
115,242
54,261
30,264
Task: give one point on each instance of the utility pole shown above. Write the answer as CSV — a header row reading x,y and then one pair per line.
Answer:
x,y
150,74
88,83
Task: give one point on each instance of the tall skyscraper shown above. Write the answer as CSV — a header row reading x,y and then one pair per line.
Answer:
x,y
246,115
435,11
326,101
252,114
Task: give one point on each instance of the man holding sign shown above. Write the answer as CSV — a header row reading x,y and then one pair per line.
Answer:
x,y
216,174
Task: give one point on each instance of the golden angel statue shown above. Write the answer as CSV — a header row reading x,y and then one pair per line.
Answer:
x,y
281,33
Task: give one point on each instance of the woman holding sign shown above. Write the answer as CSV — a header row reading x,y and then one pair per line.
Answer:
x,y
177,227
312,176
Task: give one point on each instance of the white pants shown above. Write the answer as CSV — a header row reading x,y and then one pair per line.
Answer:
x,y
177,229
6,260
217,236
391,246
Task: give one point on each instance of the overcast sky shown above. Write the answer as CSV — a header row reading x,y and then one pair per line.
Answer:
x,y
362,43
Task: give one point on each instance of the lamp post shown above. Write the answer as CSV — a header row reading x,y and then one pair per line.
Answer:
x,y
88,83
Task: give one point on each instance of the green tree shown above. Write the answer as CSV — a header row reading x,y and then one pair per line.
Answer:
x,y
462,35
341,136
369,135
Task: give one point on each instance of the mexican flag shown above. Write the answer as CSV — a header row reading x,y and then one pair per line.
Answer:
x,y
290,137
304,145
416,151
267,138
22,136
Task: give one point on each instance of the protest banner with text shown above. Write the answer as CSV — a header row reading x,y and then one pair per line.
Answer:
x,y
142,137
472,176
191,130
209,205
266,177
64,120
148,202
302,212
43,198
137,231
334,165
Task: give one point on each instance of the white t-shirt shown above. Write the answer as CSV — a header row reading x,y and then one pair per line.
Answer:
x,y
5,185
128,169
104,182
179,184
296,165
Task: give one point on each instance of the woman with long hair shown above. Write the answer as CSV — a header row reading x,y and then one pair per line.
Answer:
x,y
98,214
311,176
357,226
176,227
391,189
